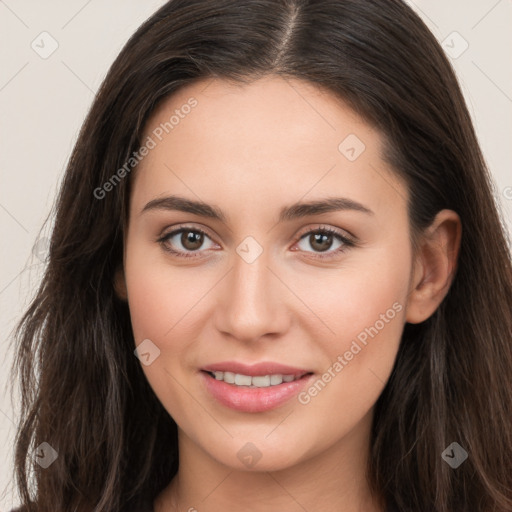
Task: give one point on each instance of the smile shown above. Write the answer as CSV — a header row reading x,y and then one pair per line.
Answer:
x,y
260,381
246,393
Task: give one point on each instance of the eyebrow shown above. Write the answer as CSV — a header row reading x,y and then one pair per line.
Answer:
x,y
288,213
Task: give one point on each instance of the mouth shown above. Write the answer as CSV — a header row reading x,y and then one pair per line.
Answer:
x,y
253,388
256,381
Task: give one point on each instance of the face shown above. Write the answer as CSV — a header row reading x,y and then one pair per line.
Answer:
x,y
257,286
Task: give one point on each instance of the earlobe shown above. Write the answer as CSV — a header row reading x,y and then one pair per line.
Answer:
x,y
120,284
435,266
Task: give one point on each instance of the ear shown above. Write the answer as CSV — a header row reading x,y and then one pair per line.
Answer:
x,y
120,283
434,266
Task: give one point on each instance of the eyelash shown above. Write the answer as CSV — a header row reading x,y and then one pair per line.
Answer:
x,y
347,242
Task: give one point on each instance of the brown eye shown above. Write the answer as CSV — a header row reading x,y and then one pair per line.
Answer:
x,y
320,241
185,242
191,240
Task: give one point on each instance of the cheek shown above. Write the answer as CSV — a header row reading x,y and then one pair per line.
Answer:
x,y
159,299
349,300
160,296
372,302
364,307
150,305
165,303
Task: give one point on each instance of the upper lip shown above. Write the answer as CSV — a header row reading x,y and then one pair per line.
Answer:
x,y
255,370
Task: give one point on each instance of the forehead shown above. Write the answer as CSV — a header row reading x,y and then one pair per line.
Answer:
x,y
292,110
273,138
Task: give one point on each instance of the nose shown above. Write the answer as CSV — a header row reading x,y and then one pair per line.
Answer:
x,y
252,301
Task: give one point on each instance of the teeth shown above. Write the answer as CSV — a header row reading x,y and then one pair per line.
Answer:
x,y
229,377
261,381
276,379
242,380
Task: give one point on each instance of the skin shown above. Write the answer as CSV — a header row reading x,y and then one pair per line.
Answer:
x,y
251,150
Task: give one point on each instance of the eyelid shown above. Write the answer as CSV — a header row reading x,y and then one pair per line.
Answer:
x,y
163,238
343,233
320,227
168,231
346,238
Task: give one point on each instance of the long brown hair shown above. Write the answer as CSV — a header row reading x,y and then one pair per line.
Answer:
x,y
82,388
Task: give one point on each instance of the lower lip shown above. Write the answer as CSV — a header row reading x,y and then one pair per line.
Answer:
x,y
246,399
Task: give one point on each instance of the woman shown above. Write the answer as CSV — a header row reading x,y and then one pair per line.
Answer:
x,y
277,277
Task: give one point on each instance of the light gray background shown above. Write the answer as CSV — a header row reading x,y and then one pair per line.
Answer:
x,y
43,103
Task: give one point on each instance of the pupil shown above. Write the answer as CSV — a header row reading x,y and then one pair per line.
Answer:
x,y
191,240
319,238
